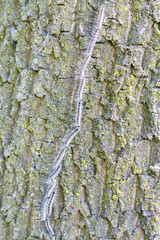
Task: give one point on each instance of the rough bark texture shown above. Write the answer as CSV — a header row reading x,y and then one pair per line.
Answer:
x,y
109,185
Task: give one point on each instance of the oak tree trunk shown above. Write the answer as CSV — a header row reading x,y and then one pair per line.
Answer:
x,y
109,185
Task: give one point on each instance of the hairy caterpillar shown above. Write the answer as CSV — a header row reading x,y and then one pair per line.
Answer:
x,y
54,174
92,42
72,135
51,189
84,65
50,203
100,18
47,205
81,89
79,113
60,158
44,210
50,193
49,228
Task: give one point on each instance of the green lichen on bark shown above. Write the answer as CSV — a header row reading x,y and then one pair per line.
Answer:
x,y
109,184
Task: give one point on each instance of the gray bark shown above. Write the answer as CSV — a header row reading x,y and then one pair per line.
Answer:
x,y
109,184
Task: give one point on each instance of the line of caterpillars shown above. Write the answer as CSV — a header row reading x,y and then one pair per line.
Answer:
x,y
50,193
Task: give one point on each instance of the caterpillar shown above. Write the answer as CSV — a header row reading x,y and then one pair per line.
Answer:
x,y
53,175
79,113
92,42
51,191
72,135
81,89
44,210
84,65
60,157
100,18
49,228
47,205
50,203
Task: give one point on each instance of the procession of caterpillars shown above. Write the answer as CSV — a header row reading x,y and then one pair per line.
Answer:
x,y
50,193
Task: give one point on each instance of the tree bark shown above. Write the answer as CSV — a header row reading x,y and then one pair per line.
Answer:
x,y
109,184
